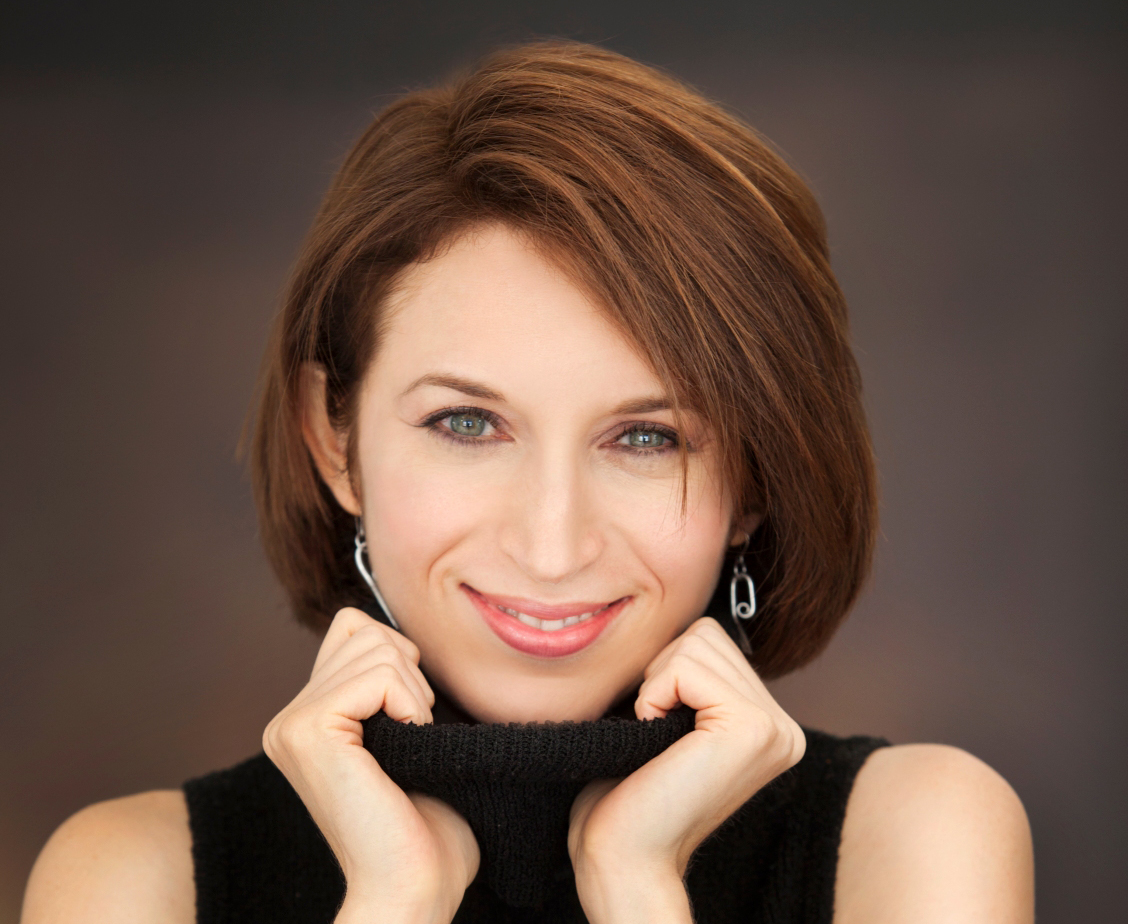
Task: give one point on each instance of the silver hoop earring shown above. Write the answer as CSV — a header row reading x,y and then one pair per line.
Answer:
x,y
361,551
742,601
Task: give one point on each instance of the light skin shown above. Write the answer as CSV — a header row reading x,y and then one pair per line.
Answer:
x,y
556,481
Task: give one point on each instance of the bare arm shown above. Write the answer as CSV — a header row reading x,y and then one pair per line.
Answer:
x,y
128,861
933,835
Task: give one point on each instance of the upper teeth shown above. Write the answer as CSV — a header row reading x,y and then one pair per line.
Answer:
x,y
550,625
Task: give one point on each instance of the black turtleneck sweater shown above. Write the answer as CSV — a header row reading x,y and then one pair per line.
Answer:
x,y
259,857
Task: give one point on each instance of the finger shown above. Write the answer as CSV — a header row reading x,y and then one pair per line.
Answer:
x,y
700,654
710,641
711,645
707,627
373,657
699,677
345,623
337,715
660,659
749,681
371,637
364,664
378,689
685,680
348,621
694,628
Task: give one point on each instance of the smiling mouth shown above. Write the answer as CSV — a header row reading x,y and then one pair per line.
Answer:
x,y
551,625
549,630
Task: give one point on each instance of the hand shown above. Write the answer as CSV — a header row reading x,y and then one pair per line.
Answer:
x,y
631,840
405,857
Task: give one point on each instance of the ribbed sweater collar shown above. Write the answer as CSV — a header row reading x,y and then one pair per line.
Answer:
x,y
515,784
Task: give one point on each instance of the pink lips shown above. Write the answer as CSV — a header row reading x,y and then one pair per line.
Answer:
x,y
538,642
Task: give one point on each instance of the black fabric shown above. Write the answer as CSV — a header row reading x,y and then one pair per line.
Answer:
x,y
515,784
260,858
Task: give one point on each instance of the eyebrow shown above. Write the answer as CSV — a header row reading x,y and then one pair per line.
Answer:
x,y
484,392
642,406
466,386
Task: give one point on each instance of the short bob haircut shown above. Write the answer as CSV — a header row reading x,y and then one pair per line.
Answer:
x,y
703,247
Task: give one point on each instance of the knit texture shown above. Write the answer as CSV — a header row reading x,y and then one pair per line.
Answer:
x,y
515,784
260,859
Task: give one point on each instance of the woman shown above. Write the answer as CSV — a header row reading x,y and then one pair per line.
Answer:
x,y
561,422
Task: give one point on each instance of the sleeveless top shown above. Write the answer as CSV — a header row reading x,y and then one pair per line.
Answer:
x,y
259,857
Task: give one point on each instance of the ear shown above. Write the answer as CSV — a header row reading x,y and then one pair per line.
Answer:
x,y
744,526
327,445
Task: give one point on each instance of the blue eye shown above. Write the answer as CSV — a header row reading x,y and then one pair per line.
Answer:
x,y
645,439
648,438
467,424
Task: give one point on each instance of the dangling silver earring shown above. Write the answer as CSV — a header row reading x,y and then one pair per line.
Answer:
x,y
361,551
744,609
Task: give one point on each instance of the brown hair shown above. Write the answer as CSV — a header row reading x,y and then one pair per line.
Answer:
x,y
705,248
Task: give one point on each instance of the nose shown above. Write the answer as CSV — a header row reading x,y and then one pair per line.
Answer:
x,y
551,529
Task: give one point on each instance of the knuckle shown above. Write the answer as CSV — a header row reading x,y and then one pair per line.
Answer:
x,y
354,620
411,649
707,625
682,660
385,673
697,645
388,655
372,634
349,615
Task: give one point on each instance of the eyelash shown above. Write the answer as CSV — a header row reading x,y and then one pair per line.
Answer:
x,y
432,422
671,438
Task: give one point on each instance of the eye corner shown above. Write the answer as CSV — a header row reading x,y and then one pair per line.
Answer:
x,y
670,440
434,423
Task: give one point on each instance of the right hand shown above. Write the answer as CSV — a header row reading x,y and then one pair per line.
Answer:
x,y
406,857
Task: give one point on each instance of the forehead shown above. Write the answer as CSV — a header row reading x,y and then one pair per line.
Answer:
x,y
492,304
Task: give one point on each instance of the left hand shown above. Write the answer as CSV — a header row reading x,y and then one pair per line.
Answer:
x,y
631,840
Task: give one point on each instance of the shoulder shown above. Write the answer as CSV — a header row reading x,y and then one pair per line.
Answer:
x,y
127,860
933,834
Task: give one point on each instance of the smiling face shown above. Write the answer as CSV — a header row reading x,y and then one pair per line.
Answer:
x,y
517,466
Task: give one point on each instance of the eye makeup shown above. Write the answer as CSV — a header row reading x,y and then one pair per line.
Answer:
x,y
662,439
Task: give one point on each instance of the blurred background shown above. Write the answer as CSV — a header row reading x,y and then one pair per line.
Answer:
x,y
159,164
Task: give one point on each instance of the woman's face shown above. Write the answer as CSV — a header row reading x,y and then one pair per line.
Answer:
x,y
521,488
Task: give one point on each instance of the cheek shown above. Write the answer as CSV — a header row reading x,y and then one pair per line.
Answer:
x,y
416,511
688,563
682,553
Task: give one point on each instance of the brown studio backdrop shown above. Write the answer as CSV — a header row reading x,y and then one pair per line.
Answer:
x,y
975,193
